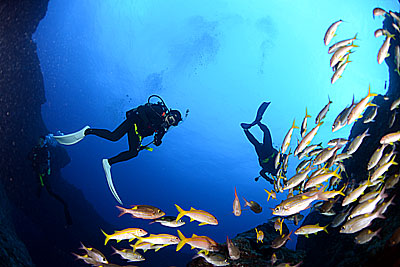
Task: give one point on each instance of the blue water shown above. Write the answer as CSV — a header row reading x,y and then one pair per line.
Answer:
x,y
220,59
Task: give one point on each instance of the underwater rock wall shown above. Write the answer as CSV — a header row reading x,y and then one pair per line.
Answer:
x,y
38,221
12,251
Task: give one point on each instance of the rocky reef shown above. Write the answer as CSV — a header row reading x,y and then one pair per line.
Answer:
x,y
253,253
25,218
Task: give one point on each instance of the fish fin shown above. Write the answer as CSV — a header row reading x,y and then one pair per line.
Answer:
x,y
191,208
163,246
191,219
118,240
107,237
294,126
194,235
182,242
306,235
181,212
307,116
122,210
246,203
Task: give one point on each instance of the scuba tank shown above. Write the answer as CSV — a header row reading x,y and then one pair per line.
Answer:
x,y
134,112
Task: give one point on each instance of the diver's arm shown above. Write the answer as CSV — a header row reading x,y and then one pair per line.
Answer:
x,y
159,135
264,175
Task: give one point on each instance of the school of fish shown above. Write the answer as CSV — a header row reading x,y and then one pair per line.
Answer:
x,y
318,180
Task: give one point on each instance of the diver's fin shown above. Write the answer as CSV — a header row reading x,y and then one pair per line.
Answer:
x,y
246,126
107,171
70,139
260,112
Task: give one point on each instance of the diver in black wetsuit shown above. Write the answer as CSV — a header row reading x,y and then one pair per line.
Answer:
x,y
143,121
265,151
140,122
40,157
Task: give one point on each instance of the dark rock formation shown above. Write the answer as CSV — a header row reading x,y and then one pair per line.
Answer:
x,y
38,222
254,254
12,251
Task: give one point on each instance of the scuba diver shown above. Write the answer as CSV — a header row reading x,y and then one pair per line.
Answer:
x,y
40,157
265,151
142,121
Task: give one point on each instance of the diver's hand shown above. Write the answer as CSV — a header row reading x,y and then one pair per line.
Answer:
x,y
157,141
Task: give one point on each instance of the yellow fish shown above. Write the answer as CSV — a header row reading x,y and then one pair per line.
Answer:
x,y
129,233
270,194
201,242
199,215
260,235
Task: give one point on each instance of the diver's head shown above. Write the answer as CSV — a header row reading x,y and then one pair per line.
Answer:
x,y
173,117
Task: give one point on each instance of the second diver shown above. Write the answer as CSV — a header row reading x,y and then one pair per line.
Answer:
x,y
265,151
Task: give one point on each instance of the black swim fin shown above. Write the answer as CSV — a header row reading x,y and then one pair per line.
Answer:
x,y
260,112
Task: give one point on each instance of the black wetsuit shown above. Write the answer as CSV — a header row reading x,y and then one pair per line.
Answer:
x,y
140,122
40,157
265,151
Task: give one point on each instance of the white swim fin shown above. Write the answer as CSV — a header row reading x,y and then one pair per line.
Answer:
x,y
70,139
107,171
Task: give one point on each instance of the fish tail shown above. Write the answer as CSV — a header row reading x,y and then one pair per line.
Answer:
x,y
83,246
294,126
369,91
181,212
336,174
324,228
107,237
269,194
245,203
235,192
392,161
182,242
122,210
343,188
307,116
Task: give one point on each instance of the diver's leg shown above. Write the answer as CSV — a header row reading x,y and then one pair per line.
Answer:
x,y
134,145
68,217
114,135
257,145
267,139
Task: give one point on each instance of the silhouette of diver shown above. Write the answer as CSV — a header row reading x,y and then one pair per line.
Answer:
x,y
142,121
265,151
40,157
